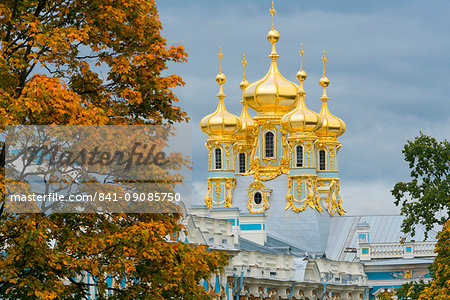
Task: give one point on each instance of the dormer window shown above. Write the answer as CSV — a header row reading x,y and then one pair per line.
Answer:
x,y
322,163
242,162
218,158
299,156
269,144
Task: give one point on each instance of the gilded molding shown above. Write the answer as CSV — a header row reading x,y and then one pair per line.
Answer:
x,y
257,186
311,199
333,198
214,197
265,173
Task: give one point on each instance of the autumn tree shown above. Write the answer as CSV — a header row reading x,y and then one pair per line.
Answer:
x,y
439,287
92,62
425,200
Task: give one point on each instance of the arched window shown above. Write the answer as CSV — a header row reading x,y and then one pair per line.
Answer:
x,y
218,158
242,165
299,158
269,144
322,164
257,198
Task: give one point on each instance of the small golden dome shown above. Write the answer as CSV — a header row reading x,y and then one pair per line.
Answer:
x,y
301,119
332,126
220,122
248,125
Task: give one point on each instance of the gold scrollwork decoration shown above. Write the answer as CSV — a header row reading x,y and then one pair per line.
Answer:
x,y
265,173
311,198
333,198
214,197
208,199
257,186
268,126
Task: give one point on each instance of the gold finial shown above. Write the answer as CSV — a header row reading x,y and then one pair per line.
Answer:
x,y
221,78
301,52
273,12
324,81
244,83
220,58
301,75
273,36
324,60
244,63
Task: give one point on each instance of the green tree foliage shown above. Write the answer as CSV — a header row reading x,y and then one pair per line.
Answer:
x,y
426,198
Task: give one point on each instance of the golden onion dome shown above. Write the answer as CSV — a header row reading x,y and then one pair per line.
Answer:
x,y
220,122
301,119
248,125
332,126
272,95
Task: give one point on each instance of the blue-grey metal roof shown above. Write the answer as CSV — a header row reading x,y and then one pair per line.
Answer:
x,y
383,229
252,246
307,230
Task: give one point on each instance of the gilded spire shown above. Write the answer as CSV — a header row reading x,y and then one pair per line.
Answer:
x,y
248,125
273,35
273,12
301,75
244,83
221,78
332,126
273,95
324,81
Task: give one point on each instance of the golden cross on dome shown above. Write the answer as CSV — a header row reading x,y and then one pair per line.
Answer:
x,y
301,56
244,62
220,58
324,59
273,12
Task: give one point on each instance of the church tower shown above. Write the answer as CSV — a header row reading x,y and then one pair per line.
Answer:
x,y
245,137
301,125
220,126
327,151
271,97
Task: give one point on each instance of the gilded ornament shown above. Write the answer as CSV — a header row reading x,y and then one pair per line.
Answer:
x,y
257,186
208,200
218,193
311,198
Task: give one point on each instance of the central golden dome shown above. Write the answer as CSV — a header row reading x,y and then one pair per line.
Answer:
x,y
272,95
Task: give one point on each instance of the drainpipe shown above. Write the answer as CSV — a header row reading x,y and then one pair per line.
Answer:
x,y
241,284
324,290
365,293
235,286
292,291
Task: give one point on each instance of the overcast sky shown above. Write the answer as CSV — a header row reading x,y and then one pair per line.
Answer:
x,y
388,63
